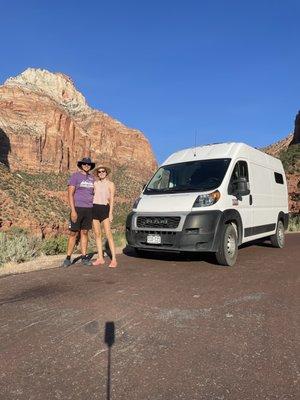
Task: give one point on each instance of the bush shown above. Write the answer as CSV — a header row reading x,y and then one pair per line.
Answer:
x,y
291,159
18,248
294,223
54,245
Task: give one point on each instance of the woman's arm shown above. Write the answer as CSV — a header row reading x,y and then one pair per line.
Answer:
x,y
112,189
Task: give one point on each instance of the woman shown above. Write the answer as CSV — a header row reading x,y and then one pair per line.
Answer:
x,y
103,203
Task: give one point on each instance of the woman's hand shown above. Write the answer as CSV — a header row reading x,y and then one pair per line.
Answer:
x,y
74,216
110,217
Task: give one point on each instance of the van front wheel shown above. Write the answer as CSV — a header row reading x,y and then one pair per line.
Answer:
x,y
227,253
278,238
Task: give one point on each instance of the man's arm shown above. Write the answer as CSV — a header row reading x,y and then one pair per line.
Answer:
x,y
71,191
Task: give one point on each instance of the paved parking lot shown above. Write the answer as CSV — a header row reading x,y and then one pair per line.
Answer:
x,y
176,328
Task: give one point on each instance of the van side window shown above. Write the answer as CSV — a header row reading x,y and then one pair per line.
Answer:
x,y
278,177
240,171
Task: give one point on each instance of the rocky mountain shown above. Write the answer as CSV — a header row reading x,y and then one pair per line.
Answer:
x,y
46,125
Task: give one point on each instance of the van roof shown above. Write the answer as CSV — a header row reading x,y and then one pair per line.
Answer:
x,y
222,150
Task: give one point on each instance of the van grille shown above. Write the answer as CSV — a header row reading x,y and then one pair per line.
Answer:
x,y
158,222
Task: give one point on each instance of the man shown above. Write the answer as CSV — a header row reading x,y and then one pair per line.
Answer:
x,y
80,195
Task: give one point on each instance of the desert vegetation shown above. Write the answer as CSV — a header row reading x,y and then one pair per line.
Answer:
x,y
291,159
18,245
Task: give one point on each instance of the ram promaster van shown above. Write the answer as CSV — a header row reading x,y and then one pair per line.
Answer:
x,y
211,198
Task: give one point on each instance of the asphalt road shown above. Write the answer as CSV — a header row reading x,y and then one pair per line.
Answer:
x,y
176,328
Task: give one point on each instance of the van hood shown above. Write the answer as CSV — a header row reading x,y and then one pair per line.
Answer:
x,y
175,202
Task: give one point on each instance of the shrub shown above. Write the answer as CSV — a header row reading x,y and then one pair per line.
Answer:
x,y
294,223
18,248
17,231
54,245
290,158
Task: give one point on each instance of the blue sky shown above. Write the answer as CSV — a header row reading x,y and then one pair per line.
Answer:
x,y
228,70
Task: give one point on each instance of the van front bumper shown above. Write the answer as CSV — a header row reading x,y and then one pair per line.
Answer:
x,y
199,233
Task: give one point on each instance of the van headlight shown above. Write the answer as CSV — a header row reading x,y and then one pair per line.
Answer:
x,y
135,204
204,200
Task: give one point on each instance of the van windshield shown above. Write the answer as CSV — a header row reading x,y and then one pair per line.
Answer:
x,y
189,176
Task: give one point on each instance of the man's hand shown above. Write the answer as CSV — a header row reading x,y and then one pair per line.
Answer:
x,y
74,216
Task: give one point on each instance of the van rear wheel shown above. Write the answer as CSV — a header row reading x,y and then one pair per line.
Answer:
x,y
278,239
227,253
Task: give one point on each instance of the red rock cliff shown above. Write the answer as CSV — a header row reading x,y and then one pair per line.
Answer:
x,y
46,125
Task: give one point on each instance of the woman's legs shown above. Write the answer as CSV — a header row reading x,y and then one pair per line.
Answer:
x,y
106,224
98,238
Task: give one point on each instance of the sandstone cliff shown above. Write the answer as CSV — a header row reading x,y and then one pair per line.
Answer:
x,y
46,126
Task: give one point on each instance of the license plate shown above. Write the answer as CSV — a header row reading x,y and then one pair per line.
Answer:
x,y
153,239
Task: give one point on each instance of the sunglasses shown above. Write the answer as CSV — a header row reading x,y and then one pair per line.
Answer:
x,y
86,164
101,171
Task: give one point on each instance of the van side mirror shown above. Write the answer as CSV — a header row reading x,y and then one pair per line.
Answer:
x,y
240,187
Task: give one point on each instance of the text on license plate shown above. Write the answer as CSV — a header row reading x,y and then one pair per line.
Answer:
x,y
153,239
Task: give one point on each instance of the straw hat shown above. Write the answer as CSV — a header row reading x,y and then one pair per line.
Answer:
x,y
107,169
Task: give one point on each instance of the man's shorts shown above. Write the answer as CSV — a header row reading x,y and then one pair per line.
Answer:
x,y
84,219
100,212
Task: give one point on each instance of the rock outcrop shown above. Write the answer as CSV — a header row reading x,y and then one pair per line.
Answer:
x,y
46,125
276,148
296,135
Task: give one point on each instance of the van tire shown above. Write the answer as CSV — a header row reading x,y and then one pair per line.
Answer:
x,y
278,239
227,253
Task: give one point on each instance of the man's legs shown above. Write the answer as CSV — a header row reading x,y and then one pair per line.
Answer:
x,y
84,238
70,247
71,243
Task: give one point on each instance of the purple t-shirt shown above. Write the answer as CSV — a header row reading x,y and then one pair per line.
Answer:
x,y
84,189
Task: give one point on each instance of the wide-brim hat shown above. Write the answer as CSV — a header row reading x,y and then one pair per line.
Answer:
x,y
107,169
86,160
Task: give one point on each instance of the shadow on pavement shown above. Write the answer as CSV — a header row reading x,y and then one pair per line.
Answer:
x,y
186,256
169,256
109,339
259,242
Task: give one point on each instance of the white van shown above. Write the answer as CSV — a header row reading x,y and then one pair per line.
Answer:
x,y
211,198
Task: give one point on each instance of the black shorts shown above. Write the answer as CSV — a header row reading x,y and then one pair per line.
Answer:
x,y
84,219
100,212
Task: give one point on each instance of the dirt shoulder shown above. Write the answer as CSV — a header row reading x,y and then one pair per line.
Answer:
x,y
43,262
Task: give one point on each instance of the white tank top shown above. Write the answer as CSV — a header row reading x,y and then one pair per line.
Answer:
x,y
101,192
